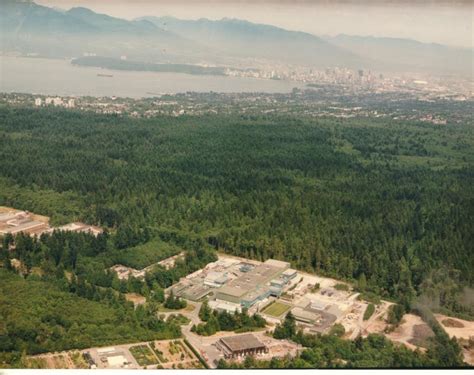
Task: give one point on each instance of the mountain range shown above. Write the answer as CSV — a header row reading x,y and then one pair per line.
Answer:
x,y
27,27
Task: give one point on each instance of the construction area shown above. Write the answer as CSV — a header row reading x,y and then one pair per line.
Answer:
x,y
13,221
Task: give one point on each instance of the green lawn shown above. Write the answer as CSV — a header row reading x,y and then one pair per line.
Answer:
x,y
276,309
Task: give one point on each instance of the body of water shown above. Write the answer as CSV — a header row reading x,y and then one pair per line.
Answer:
x,y
60,77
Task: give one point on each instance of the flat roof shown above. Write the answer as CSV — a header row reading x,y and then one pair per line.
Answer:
x,y
196,292
23,227
213,276
300,313
235,291
254,279
242,342
318,304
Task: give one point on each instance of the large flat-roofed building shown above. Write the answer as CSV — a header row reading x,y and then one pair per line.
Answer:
x,y
27,227
305,316
15,222
253,285
315,320
241,346
196,292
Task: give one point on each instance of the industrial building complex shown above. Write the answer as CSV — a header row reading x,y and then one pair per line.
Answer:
x,y
256,284
232,285
15,221
272,289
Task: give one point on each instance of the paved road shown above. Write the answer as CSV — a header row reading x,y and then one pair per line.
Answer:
x,y
204,345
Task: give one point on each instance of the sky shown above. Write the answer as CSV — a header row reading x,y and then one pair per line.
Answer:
x,y
445,22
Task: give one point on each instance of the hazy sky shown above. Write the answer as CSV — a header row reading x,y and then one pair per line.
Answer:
x,y
447,22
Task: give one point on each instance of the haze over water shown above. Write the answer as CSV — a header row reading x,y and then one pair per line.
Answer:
x,y
59,77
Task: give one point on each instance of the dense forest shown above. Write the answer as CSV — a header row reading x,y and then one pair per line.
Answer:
x,y
40,316
384,203
64,297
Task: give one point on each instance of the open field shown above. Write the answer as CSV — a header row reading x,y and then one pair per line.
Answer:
x,y
146,256
455,327
463,330
65,360
276,309
413,332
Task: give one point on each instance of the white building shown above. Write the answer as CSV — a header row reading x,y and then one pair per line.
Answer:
x,y
49,101
71,103
38,102
57,101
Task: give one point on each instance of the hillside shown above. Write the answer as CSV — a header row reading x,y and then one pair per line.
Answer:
x,y
408,54
240,38
30,28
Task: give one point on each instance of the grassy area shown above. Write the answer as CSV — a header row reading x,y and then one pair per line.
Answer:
x,y
178,319
342,287
78,360
188,308
143,355
146,254
369,311
276,309
37,363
